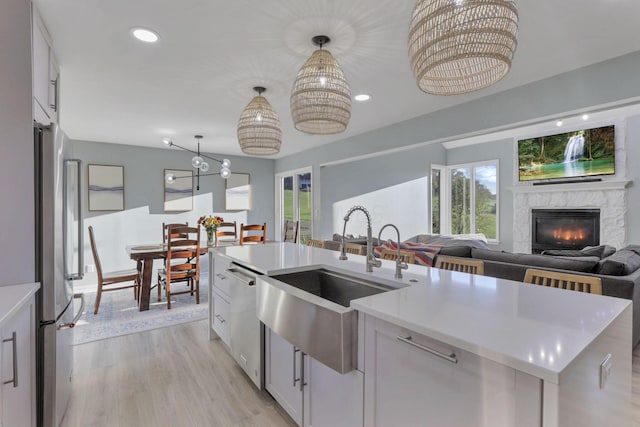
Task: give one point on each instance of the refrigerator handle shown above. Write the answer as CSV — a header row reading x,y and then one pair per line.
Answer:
x,y
79,272
77,316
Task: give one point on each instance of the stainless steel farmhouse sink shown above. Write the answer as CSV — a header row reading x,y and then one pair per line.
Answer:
x,y
310,309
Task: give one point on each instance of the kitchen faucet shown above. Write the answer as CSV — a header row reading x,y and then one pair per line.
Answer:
x,y
371,260
399,264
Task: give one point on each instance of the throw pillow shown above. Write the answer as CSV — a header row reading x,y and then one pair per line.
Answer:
x,y
621,263
601,251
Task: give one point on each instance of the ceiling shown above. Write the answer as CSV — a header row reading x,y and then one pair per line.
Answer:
x,y
198,78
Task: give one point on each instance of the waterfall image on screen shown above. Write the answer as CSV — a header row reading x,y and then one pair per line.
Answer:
x,y
586,152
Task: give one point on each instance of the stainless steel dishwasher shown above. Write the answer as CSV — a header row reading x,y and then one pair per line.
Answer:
x,y
246,331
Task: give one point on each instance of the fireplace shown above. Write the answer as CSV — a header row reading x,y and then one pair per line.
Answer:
x,y
564,229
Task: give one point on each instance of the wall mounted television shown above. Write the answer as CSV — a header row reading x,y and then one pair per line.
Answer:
x,y
582,153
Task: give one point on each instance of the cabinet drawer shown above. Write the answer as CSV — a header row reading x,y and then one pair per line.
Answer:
x,y
220,279
220,316
402,368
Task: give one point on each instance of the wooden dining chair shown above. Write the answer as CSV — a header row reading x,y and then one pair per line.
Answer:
x,y
261,237
354,248
167,227
290,231
572,282
226,230
166,230
183,262
408,257
106,280
316,243
465,265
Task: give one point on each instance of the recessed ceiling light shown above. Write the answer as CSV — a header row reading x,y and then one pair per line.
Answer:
x,y
144,35
362,97
585,117
559,123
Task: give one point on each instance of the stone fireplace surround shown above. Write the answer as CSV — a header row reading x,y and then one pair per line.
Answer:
x,y
608,196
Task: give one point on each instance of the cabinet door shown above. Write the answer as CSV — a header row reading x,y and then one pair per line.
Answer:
x,y
282,374
408,385
220,279
18,397
220,316
40,52
332,399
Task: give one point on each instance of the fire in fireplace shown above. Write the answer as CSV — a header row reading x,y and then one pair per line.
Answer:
x,y
564,229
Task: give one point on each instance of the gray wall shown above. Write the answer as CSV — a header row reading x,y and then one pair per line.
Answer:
x,y
503,151
141,221
613,81
390,172
16,144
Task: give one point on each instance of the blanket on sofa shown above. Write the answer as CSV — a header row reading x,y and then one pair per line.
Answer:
x,y
424,254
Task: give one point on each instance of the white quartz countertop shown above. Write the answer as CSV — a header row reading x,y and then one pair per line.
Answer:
x,y
13,297
530,328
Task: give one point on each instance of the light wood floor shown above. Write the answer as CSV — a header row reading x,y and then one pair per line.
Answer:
x,y
166,377
177,377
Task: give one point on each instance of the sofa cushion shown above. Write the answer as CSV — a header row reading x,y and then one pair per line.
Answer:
x,y
458,251
601,251
581,264
621,263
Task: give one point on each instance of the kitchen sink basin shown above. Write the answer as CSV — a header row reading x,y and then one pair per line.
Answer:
x,y
332,286
310,309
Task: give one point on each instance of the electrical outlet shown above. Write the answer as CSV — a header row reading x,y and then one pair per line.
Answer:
x,y
90,268
605,370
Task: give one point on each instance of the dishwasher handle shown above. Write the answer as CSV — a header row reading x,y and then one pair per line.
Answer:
x,y
241,276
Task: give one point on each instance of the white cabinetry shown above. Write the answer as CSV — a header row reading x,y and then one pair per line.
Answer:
x,y
310,392
220,296
423,382
45,74
282,373
17,365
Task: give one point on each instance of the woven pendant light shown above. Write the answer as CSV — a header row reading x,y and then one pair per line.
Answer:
x,y
321,98
259,131
460,46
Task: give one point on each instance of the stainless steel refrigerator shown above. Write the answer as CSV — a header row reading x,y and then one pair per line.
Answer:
x,y
59,249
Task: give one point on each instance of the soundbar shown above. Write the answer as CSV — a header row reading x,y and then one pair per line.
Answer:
x,y
567,181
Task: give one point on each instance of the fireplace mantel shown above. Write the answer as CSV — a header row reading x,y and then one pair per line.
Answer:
x,y
575,186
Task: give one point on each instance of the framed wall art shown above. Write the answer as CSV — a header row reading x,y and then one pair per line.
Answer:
x,y
238,192
106,187
178,194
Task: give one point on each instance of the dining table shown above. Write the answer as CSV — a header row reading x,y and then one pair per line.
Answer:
x,y
145,255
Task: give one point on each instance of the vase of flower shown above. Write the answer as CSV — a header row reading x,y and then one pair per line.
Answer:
x,y
210,223
211,233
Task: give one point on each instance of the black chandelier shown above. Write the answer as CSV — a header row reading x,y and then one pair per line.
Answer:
x,y
199,163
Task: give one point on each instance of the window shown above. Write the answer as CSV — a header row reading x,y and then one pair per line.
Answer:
x,y
294,201
466,201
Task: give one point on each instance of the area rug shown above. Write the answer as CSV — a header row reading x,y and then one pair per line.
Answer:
x,y
119,314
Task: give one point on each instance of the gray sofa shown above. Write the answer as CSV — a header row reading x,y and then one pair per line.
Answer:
x,y
619,270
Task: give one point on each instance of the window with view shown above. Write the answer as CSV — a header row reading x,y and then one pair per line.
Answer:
x,y
466,201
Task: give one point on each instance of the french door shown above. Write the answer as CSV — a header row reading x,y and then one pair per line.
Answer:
x,y
294,201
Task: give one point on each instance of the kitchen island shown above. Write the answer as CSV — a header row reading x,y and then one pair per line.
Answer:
x,y
495,351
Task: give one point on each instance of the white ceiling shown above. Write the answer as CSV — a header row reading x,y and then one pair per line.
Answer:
x,y
198,78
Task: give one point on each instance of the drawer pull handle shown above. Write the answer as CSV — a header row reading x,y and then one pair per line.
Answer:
x,y
15,360
220,318
448,357
295,380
